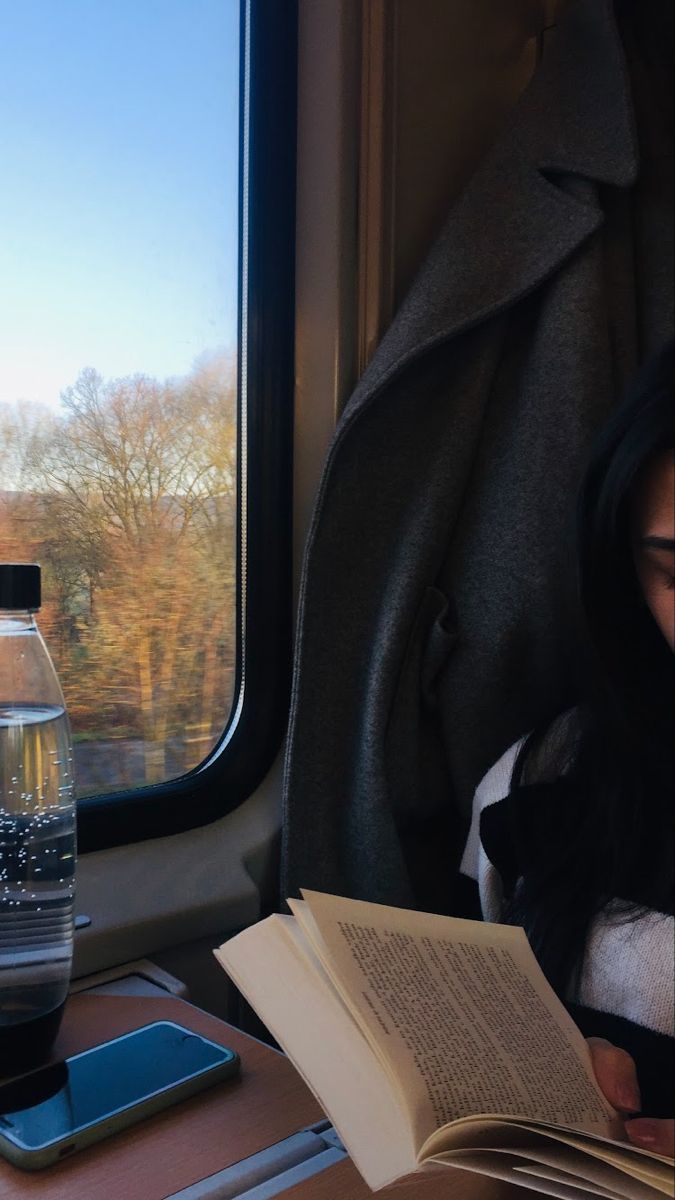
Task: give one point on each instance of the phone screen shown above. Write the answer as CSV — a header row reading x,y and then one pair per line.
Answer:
x,y
62,1099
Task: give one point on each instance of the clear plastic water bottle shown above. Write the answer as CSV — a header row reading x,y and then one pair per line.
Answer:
x,y
37,830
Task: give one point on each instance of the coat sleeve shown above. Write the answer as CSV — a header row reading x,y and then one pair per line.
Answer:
x,y
494,786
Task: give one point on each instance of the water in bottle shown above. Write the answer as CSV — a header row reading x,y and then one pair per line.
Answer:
x,y
37,830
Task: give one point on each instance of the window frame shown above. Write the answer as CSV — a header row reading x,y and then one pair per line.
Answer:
x,y
257,722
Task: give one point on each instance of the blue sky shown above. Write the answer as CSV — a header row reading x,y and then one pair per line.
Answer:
x,y
118,205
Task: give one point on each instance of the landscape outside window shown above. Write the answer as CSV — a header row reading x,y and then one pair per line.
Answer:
x,y
118,365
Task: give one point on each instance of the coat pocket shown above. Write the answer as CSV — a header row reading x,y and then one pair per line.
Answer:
x,y
430,829
417,774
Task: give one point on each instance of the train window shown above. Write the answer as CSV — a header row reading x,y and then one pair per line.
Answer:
x,y
145,387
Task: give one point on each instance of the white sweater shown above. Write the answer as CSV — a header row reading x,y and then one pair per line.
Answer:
x,y
629,965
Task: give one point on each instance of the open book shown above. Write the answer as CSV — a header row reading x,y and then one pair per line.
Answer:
x,y
432,1041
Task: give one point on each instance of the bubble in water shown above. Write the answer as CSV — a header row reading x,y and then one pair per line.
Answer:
x,y
37,859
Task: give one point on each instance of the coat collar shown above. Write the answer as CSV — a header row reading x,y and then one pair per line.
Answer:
x,y
525,211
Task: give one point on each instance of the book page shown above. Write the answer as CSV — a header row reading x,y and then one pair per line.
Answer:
x,y
659,1172
552,1175
533,1140
498,1166
270,965
463,1014
315,943
536,1147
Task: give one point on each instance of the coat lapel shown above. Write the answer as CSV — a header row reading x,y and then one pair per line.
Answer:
x,y
527,209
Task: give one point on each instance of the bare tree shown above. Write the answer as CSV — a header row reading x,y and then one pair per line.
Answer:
x,y
133,506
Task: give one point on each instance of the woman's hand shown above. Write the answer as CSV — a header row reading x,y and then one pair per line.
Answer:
x,y
616,1074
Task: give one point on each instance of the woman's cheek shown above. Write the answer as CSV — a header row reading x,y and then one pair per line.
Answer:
x,y
660,600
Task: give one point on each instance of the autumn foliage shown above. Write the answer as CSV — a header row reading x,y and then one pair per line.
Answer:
x,y
127,498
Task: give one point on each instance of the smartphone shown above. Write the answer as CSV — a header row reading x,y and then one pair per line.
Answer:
x,y
50,1113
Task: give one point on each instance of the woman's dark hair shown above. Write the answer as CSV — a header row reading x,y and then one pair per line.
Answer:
x,y
612,756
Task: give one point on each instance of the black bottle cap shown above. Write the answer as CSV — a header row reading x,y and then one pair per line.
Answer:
x,y
20,586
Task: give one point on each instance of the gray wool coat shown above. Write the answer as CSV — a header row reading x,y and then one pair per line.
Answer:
x,y
437,619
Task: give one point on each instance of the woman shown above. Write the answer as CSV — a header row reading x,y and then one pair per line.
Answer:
x,y
572,834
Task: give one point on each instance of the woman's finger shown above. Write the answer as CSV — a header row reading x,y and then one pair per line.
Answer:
x,y
615,1072
650,1134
